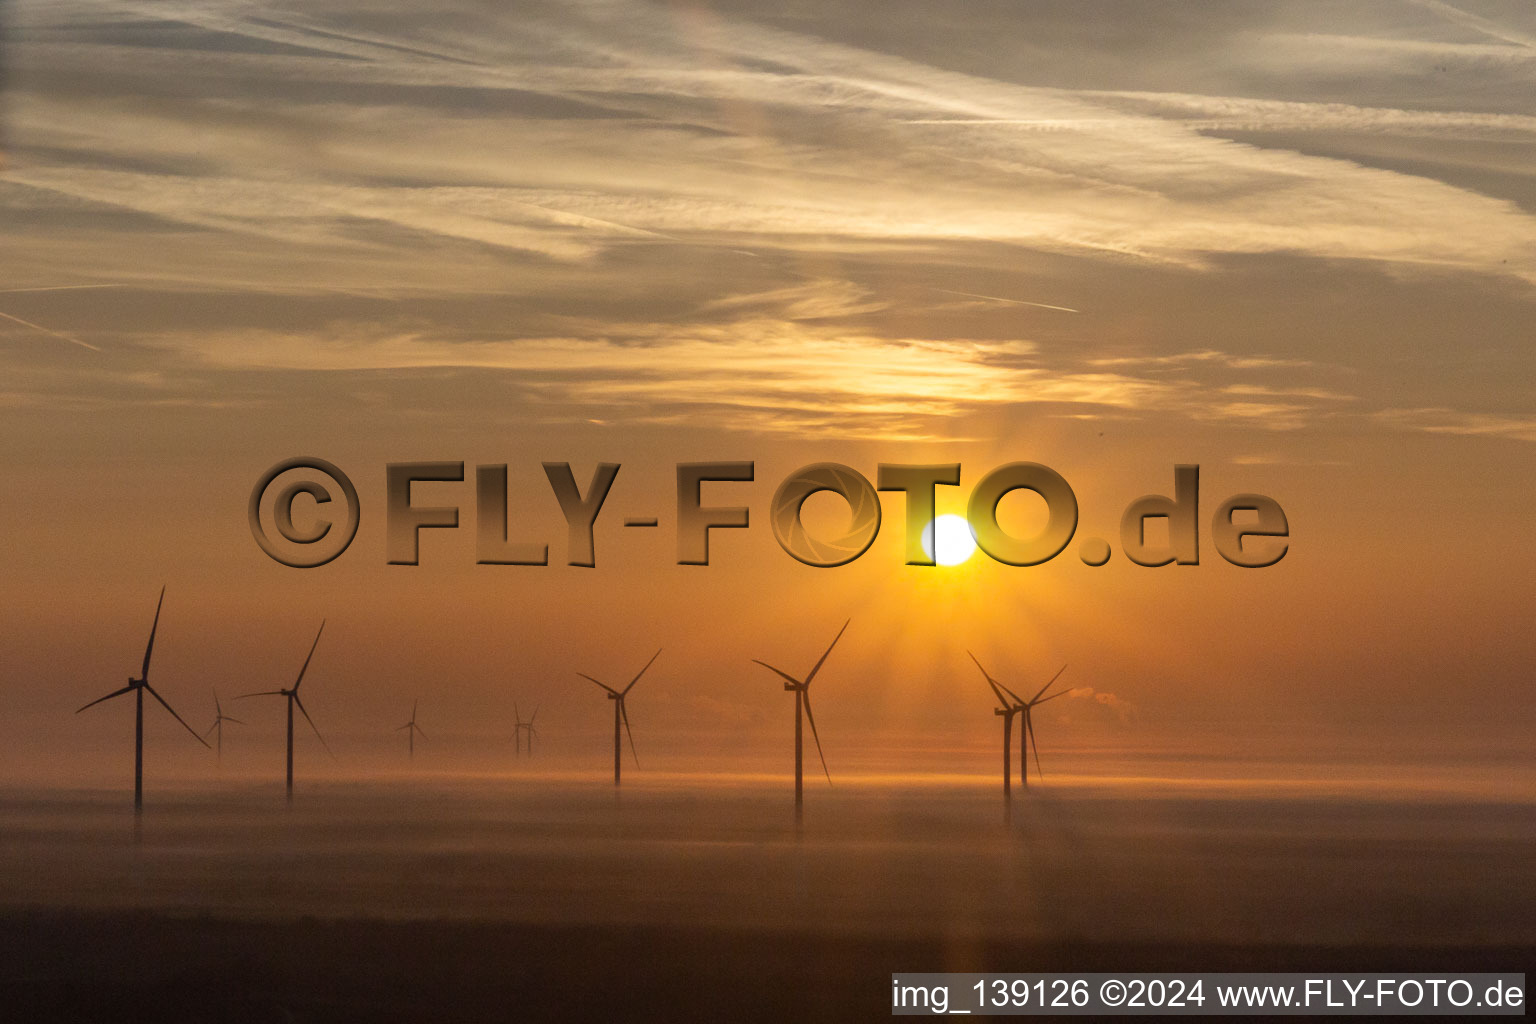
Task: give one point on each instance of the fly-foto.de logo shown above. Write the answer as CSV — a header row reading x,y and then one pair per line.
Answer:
x,y
304,522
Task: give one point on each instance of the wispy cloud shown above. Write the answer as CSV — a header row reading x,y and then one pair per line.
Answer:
x,y
1239,113
791,361
1484,25
1280,460
813,300
742,135
1519,427
1184,359
768,375
624,156
1099,704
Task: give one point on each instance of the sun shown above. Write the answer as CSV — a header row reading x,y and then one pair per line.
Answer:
x,y
957,542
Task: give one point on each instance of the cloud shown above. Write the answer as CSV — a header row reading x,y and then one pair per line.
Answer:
x,y
1099,704
1490,28
1277,460
691,218
1244,114
813,300
1440,420
1323,394
1184,359
739,136
769,375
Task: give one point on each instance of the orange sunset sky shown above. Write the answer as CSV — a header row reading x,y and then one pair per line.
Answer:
x,y
1294,243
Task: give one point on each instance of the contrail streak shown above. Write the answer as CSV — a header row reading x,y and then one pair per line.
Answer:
x,y
1014,302
51,333
1478,23
57,288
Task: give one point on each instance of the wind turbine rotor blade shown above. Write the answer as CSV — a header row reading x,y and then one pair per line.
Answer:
x,y
823,658
1017,700
263,693
419,731
534,715
98,700
212,727
174,715
311,654
217,709
599,682
1030,724
624,714
998,693
984,672
991,682
812,719
149,648
407,725
516,713
648,664
226,718
1047,686
312,725
787,677
1047,700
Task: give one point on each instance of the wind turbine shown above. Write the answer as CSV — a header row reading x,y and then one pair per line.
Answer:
x,y
219,718
293,698
137,687
1028,728
523,727
411,728
620,714
1012,704
802,691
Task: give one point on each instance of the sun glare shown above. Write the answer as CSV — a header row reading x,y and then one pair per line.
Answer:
x,y
956,540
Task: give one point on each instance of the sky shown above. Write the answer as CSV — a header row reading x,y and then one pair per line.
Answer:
x,y
1294,243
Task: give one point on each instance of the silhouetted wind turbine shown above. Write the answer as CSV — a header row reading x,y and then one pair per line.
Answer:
x,y
620,714
802,691
137,688
293,698
219,718
1028,728
411,729
523,727
1009,708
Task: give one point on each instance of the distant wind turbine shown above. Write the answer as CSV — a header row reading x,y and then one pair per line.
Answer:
x,y
621,715
137,687
1012,704
411,729
1028,728
802,691
526,728
219,718
293,698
